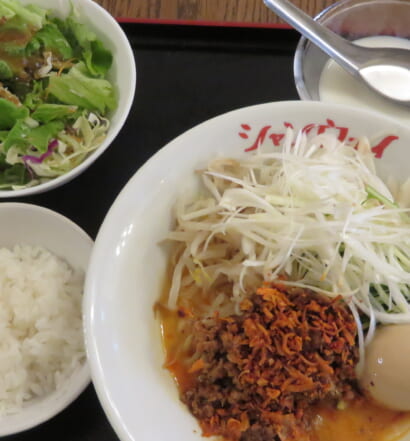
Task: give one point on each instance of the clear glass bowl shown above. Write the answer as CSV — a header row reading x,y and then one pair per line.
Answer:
x,y
352,19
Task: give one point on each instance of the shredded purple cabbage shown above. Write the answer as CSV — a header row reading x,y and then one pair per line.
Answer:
x,y
39,159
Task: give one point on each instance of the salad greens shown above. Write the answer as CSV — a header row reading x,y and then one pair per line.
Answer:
x,y
54,94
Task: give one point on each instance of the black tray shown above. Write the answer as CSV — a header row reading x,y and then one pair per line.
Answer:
x,y
185,75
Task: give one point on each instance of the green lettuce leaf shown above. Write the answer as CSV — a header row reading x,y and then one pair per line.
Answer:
x,y
22,136
10,113
97,58
82,33
48,112
41,136
35,96
6,12
11,175
50,38
5,71
31,15
86,46
17,136
78,88
33,47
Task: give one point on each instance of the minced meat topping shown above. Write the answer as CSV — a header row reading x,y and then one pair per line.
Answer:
x,y
257,373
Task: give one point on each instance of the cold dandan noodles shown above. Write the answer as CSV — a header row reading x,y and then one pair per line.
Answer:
x,y
282,270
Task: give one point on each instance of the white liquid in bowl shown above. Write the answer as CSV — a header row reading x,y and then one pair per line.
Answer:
x,y
338,86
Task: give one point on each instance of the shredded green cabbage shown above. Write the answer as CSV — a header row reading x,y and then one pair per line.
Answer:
x,y
71,150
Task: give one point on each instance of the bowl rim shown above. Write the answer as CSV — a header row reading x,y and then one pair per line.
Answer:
x,y
300,83
81,377
105,240
66,177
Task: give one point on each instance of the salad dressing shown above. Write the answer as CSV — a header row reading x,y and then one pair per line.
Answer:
x,y
18,39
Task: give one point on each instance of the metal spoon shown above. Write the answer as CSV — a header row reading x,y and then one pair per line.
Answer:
x,y
385,70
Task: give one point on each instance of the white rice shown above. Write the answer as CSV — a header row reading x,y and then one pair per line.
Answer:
x,y
41,339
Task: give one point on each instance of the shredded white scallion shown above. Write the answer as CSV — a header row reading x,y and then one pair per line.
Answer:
x,y
315,211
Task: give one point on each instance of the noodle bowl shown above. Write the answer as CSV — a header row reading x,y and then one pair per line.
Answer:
x,y
129,265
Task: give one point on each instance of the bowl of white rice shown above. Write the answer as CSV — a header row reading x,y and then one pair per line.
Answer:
x,y
43,366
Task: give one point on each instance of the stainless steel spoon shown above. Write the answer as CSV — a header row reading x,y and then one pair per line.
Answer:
x,y
385,70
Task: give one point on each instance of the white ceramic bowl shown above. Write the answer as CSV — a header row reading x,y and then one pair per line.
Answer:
x,y
352,19
127,268
122,75
38,226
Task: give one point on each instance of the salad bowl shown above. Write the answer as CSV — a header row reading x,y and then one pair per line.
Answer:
x,y
104,68
127,272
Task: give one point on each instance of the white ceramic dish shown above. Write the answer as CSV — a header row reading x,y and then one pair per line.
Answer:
x,y
352,19
128,263
122,75
34,225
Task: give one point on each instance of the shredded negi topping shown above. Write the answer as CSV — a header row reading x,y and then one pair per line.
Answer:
x,y
315,210
256,373
54,95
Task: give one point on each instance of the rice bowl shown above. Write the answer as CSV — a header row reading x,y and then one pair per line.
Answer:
x,y
43,259
124,323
